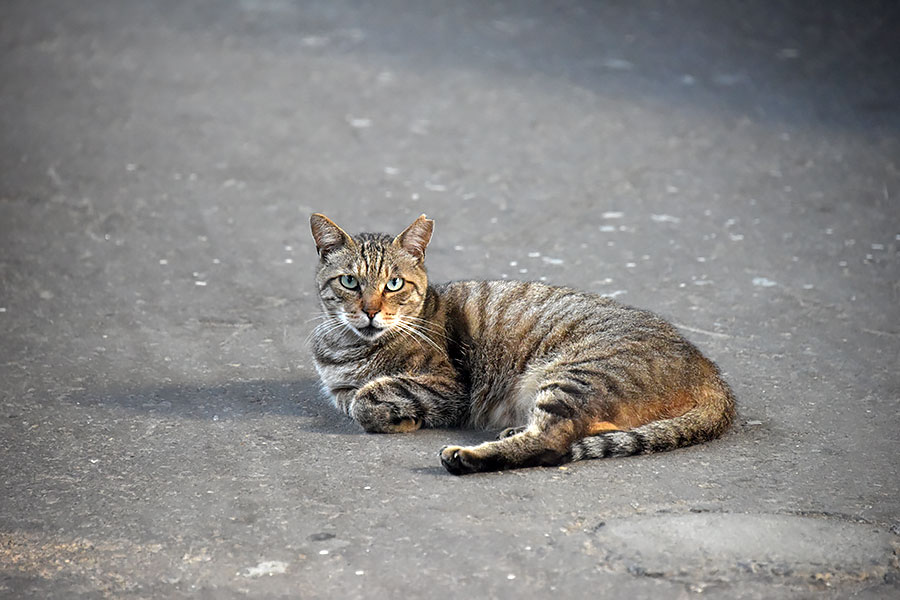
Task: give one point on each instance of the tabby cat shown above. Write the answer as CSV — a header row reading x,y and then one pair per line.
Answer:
x,y
569,374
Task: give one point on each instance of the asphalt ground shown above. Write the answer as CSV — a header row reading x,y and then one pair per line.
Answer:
x,y
732,166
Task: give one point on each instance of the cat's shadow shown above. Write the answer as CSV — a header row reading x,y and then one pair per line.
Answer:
x,y
300,400
437,471
240,399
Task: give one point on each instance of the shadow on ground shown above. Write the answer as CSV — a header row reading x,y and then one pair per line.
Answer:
x,y
297,403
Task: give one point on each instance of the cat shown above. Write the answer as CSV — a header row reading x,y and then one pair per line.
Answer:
x,y
567,375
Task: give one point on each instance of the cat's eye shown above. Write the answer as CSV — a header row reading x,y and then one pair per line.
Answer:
x,y
349,282
394,284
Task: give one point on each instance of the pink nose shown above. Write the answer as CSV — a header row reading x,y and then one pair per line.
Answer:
x,y
372,313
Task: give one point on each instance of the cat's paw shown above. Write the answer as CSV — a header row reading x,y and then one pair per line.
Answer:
x,y
389,423
400,425
510,431
377,416
378,408
459,461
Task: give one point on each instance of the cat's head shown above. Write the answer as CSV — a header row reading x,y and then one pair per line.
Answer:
x,y
372,283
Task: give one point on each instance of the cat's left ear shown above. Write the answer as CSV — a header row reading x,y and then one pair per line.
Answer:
x,y
415,238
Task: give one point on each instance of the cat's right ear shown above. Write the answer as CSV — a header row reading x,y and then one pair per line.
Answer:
x,y
415,238
328,235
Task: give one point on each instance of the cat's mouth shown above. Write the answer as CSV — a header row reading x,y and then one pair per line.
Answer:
x,y
369,332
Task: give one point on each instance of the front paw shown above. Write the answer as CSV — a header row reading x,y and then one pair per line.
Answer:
x,y
459,461
378,416
401,425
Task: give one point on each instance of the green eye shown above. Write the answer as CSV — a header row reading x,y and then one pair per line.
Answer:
x,y
394,284
349,282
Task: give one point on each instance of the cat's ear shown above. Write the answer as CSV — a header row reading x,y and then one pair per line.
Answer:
x,y
415,238
328,236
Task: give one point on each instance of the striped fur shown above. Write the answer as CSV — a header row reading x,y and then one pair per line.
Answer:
x,y
571,375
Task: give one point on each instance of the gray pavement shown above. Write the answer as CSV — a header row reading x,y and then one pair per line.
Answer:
x,y
733,166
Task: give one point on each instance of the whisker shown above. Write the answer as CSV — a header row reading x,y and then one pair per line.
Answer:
x,y
332,323
413,328
318,317
425,324
401,328
407,332
432,328
415,335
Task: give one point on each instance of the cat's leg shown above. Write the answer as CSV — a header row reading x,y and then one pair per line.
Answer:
x,y
399,404
530,448
556,422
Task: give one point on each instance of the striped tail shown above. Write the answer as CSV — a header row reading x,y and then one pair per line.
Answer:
x,y
706,421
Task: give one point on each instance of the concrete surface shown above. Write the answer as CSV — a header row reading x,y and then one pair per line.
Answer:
x,y
732,166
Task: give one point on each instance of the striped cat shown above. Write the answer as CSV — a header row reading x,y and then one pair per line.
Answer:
x,y
570,375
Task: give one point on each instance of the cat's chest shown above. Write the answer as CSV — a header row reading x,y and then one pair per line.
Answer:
x,y
338,372
342,366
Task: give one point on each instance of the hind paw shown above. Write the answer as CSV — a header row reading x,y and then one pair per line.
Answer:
x,y
459,461
510,431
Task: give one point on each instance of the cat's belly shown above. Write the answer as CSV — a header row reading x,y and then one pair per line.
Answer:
x,y
494,408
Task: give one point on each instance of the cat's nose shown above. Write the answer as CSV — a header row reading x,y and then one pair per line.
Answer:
x,y
372,313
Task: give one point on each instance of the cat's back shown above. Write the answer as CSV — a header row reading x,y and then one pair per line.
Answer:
x,y
513,314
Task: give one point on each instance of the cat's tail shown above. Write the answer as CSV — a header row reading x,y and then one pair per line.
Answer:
x,y
710,418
